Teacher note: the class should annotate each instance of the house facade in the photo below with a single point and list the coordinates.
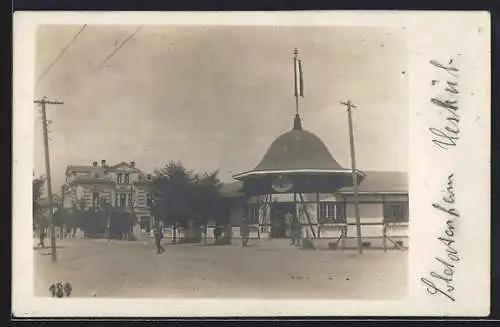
(121, 185)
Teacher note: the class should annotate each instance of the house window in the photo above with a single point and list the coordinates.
(119, 178)
(95, 199)
(149, 199)
(396, 212)
(130, 202)
(123, 202)
(127, 178)
(331, 212)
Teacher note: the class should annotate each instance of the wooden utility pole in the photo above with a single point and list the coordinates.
(350, 106)
(42, 104)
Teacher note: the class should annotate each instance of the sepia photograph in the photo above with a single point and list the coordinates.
(231, 163)
(220, 161)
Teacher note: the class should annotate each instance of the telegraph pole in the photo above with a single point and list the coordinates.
(350, 106)
(42, 104)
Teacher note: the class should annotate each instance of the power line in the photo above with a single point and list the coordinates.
(119, 47)
(62, 53)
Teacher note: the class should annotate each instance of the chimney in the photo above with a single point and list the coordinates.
(103, 163)
(94, 164)
(132, 163)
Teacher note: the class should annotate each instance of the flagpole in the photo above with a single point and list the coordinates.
(296, 91)
(296, 105)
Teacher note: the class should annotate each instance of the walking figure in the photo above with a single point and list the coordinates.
(158, 231)
(244, 232)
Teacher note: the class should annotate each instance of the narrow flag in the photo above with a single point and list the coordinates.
(299, 82)
(301, 79)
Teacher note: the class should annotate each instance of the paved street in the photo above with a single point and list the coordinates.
(267, 269)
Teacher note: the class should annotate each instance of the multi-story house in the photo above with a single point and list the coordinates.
(122, 186)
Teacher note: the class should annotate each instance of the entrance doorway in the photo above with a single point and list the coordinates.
(278, 221)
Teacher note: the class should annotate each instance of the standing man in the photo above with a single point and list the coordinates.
(297, 230)
(244, 232)
(42, 237)
(158, 231)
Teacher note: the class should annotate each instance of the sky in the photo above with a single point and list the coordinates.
(215, 97)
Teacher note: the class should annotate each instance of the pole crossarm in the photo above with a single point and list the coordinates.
(47, 102)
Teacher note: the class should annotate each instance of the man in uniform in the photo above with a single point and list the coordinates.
(244, 232)
(158, 233)
(42, 237)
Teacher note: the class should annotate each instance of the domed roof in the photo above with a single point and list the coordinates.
(299, 153)
(297, 149)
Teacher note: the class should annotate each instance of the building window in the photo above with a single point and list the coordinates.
(331, 212)
(119, 178)
(149, 199)
(127, 178)
(396, 212)
(95, 199)
(117, 200)
(123, 202)
(130, 202)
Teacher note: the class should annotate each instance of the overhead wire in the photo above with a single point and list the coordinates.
(118, 48)
(63, 51)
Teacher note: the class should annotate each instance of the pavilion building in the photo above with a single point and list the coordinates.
(298, 175)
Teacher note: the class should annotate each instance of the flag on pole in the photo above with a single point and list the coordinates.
(301, 79)
(299, 82)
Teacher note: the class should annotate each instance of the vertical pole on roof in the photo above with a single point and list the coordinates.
(350, 106)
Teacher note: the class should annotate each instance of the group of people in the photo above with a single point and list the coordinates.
(293, 231)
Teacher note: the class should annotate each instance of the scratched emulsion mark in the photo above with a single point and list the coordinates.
(441, 280)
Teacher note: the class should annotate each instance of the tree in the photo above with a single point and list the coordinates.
(184, 198)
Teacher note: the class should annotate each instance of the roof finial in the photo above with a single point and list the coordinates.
(297, 124)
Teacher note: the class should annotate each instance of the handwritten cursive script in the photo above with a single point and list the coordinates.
(447, 135)
(442, 282)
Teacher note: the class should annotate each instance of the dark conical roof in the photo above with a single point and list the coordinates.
(297, 149)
